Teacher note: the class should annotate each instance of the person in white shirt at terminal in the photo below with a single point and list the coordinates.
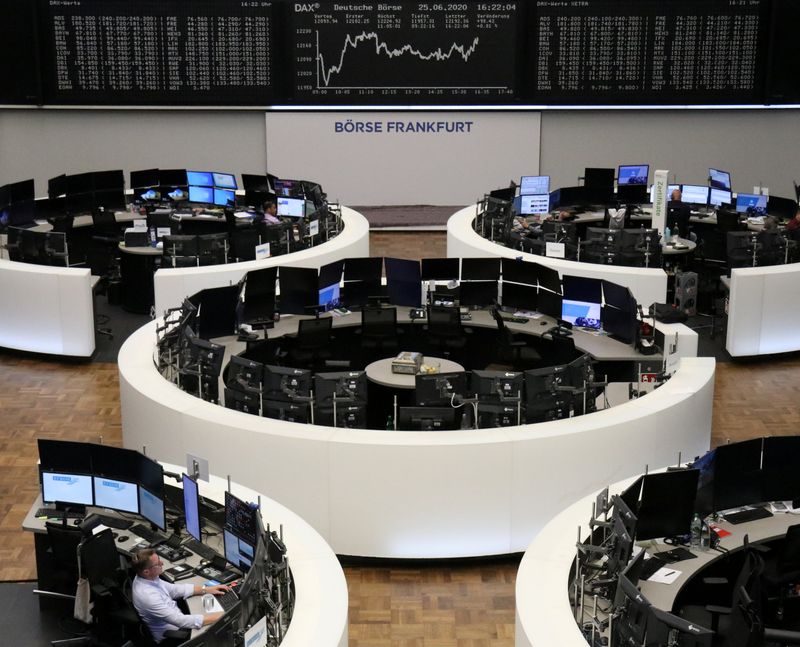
(154, 598)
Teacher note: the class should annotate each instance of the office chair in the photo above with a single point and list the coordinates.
(103, 252)
(445, 331)
(379, 329)
(212, 249)
(741, 248)
(180, 250)
(312, 343)
(256, 306)
(512, 348)
(533, 246)
(14, 244)
(64, 541)
(783, 569)
(56, 250)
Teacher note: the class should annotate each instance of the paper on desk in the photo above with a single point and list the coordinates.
(99, 528)
(528, 314)
(664, 575)
(243, 214)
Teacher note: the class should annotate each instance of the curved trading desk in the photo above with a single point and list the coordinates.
(173, 284)
(418, 494)
(649, 285)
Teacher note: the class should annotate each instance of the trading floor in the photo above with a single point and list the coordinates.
(463, 604)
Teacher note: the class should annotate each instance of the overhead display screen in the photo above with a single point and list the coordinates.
(649, 51)
(157, 52)
(400, 52)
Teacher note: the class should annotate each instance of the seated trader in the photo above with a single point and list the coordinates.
(154, 598)
(678, 214)
(793, 226)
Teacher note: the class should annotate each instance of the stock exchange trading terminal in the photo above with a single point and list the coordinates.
(92, 491)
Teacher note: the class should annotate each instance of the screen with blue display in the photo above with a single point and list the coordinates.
(200, 178)
(201, 194)
(114, 494)
(224, 197)
(224, 181)
(191, 507)
(633, 174)
(695, 194)
(151, 508)
(719, 179)
(750, 202)
(719, 197)
(68, 488)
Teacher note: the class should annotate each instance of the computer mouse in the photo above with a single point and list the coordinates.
(114, 534)
(122, 538)
(542, 323)
(77, 522)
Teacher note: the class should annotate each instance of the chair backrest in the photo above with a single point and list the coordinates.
(379, 322)
(789, 556)
(104, 223)
(64, 542)
(314, 333)
(444, 320)
(728, 220)
(737, 240)
(99, 557)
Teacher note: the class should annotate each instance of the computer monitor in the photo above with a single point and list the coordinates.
(534, 185)
(718, 197)
(481, 294)
(667, 504)
(67, 456)
(144, 179)
(329, 296)
(244, 374)
(366, 268)
(751, 203)
(191, 506)
(506, 194)
(534, 205)
(286, 383)
(299, 287)
(780, 463)
(439, 269)
(67, 488)
(633, 174)
(289, 411)
(495, 386)
(347, 386)
(694, 194)
(665, 628)
(224, 197)
(632, 194)
(550, 304)
(240, 518)
(480, 269)
(782, 208)
(349, 415)
(719, 179)
(56, 186)
(200, 178)
(224, 181)
(256, 183)
(288, 188)
(599, 184)
(582, 301)
(545, 398)
(151, 507)
(403, 282)
(670, 189)
(244, 401)
(201, 194)
(291, 207)
(439, 389)
(631, 495)
(520, 297)
(630, 628)
(620, 323)
(428, 418)
(237, 552)
(737, 475)
(115, 494)
(519, 271)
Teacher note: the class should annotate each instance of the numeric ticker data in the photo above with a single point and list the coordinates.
(158, 52)
(369, 52)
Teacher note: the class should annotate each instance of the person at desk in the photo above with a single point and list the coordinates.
(678, 214)
(793, 226)
(271, 212)
(154, 598)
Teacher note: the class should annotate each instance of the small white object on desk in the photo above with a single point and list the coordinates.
(664, 575)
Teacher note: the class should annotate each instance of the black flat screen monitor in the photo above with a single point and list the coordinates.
(719, 179)
(519, 271)
(783, 208)
(224, 181)
(439, 269)
(542, 395)
(548, 279)
(439, 389)
(244, 401)
(694, 194)
(330, 273)
(630, 628)
(480, 269)
(299, 289)
(358, 293)
(286, 383)
(151, 507)
(56, 187)
(428, 418)
(289, 411)
(667, 504)
(480, 294)
(115, 494)
(64, 456)
(191, 506)
(633, 174)
(363, 269)
(67, 487)
(520, 297)
(631, 494)
(244, 374)
(599, 184)
(172, 177)
(737, 475)
(621, 324)
(79, 183)
(506, 194)
(664, 628)
(403, 282)
(240, 518)
(616, 295)
(549, 304)
(348, 415)
(534, 185)
(568, 196)
(256, 183)
(633, 194)
(348, 386)
(497, 385)
(751, 203)
(145, 179)
(781, 466)
(108, 180)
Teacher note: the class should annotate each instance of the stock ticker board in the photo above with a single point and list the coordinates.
(409, 52)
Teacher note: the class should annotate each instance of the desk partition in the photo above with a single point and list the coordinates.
(418, 494)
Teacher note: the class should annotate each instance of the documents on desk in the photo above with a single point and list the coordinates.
(664, 575)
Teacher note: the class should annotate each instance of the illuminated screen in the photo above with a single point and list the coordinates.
(749, 202)
(718, 197)
(534, 184)
(633, 174)
(695, 194)
(719, 179)
(177, 195)
(151, 508)
(224, 197)
(329, 297)
(69, 488)
(200, 178)
(581, 313)
(191, 508)
(201, 194)
(237, 552)
(224, 180)
(670, 189)
(534, 204)
(114, 494)
(291, 207)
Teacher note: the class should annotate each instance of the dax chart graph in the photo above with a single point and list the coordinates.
(389, 53)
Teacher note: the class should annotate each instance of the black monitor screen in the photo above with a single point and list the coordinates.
(737, 475)
(481, 293)
(616, 295)
(144, 179)
(403, 282)
(631, 494)
(781, 466)
(330, 274)
(256, 183)
(549, 304)
(664, 628)
(520, 271)
(427, 418)
(440, 269)
(620, 324)
(240, 518)
(633, 194)
(56, 186)
(346, 386)
(438, 389)
(289, 411)
(522, 297)
(299, 289)
(191, 507)
(548, 278)
(495, 385)
(107, 180)
(172, 177)
(244, 374)
(363, 269)
(667, 504)
(64, 456)
(784, 208)
(286, 383)
(79, 183)
(598, 177)
(480, 269)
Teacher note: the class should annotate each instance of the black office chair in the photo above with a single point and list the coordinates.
(63, 550)
(512, 348)
(103, 253)
(783, 569)
(312, 344)
(212, 249)
(379, 331)
(256, 306)
(445, 332)
(180, 250)
(741, 248)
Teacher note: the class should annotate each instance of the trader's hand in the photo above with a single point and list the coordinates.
(219, 589)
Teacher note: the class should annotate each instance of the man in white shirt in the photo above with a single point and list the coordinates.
(154, 598)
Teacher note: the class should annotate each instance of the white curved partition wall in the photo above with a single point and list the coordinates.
(416, 494)
(46, 309)
(649, 285)
(172, 285)
(320, 609)
(763, 310)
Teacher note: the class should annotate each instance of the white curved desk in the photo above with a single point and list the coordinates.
(46, 309)
(649, 285)
(418, 494)
(172, 285)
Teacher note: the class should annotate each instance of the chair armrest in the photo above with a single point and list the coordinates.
(178, 634)
(782, 636)
(714, 580)
(718, 610)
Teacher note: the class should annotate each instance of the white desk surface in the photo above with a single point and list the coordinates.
(381, 373)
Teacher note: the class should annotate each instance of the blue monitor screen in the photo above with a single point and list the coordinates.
(114, 494)
(695, 194)
(200, 178)
(191, 508)
(201, 194)
(534, 204)
(329, 297)
(750, 202)
(291, 207)
(633, 174)
(534, 184)
(224, 197)
(224, 180)
(237, 552)
(69, 488)
(670, 189)
(719, 197)
(177, 195)
(719, 179)
(581, 313)
(151, 508)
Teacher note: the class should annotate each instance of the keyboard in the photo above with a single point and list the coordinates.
(172, 554)
(147, 533)
(199, 548)
(747, 515)
(114, 522)
(52, 513)
(228, 600)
